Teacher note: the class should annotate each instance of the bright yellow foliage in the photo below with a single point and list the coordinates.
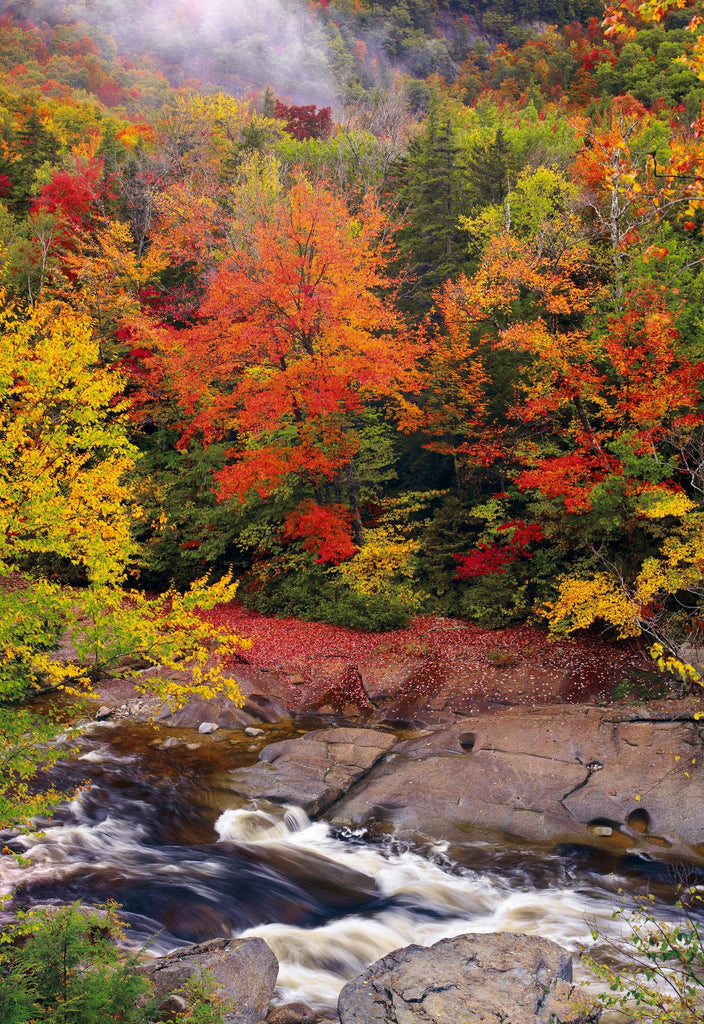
(673, 666)
(165, 631)
(63, 448)
(386, 561)
(645, 604)
(108, 275)
(385, 558)
(64, 456)
(657, 503)
(582, 602)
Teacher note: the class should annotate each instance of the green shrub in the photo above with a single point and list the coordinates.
(63, 967)
(204, 1004)
(664, 981)
(305, 590)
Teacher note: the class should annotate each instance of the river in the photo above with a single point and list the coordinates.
(158, 831)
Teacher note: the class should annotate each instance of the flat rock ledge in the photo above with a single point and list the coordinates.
(619, 778)
(313, 771)
(494, 979)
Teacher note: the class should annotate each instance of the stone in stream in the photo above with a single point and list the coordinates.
(224, 713)
(244, 972)
(174, 1004)
(292, 1013)
(497, 979)
(314, 770)
(265, 707)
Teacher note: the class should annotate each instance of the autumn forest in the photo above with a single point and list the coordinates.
(385, 311)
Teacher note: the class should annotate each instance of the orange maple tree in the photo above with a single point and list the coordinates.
(488, 313)
(596, 415)
(293, 344)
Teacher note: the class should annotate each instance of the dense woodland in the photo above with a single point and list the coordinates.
(376, 310)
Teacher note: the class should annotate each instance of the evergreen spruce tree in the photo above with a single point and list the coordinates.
(489, 170)
(431, 191)
(37, 146)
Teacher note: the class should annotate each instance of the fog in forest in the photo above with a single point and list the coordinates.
(235, 44)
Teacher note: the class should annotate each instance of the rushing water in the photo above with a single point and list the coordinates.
(156, 831)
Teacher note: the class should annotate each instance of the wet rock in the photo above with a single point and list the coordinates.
(224, 713)
(251, 731)
(265, 708)
(568, 775)
(312, 771)
(497, 978)
(244, 972)
(170, 743)
(103, 712)
(207, 727)
(173, 1004)
(292, 1013)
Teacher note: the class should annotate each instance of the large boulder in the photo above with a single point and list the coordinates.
(314, 770)
(619, 778)
(496, 979)
(244, 972)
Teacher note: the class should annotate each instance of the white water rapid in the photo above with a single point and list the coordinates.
(328, 903)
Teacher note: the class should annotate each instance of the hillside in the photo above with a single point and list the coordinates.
(381, 312)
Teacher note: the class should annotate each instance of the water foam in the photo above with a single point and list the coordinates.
(429, 903)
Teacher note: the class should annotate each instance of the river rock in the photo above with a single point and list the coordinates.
(244, 971)
(292, 1013)
(568, 774)
(174, 1004)
(497, 979)
(222, 712)
(314, 770)
(265, 708)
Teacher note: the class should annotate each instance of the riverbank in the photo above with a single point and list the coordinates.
(433, 732)
(436, 668)
(488, 799)
(430, 674)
